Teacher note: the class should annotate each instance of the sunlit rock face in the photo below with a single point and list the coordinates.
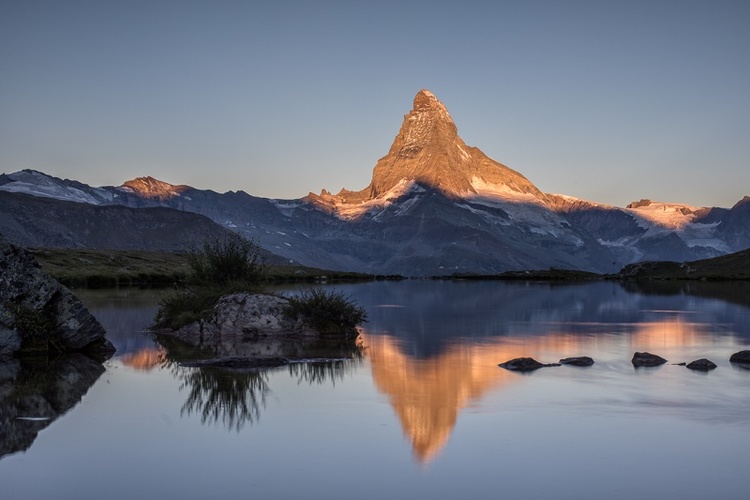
(429, 151)
(154, 189)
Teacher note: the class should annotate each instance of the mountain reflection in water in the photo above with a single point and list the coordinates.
(424, 411)
(433, 347)
(428, 393)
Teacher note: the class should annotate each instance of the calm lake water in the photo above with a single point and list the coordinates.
(424, 412)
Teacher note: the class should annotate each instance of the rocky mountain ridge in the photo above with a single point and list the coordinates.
(436, 206)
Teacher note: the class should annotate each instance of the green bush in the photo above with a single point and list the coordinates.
(327, 312)
(183, 306)
(221, 267)
(231, 259)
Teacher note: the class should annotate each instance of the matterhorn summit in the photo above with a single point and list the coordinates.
(429, 152)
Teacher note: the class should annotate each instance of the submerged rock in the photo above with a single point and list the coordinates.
(647, 359)
(577, 361)
(38, 313)
(740, 357)
(524, 364)
(702, 364)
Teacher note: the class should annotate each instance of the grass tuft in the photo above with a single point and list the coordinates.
(327, 312)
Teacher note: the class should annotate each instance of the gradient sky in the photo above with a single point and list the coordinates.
(611, 101)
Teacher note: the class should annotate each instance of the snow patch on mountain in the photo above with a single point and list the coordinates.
(375, 207)
(483, 189)
(662, 218)
(38, 184)
(286, 207)
(671, 216)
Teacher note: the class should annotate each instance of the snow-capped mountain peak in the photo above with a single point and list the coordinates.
(40, 184)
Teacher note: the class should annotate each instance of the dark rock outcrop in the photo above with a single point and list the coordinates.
(702, 364)
(38, 313)
(647, 359)
(577, 361)
(524, 365)
(252, 316)
(740, 357)
(252, 328)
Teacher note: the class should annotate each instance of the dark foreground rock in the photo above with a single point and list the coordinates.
(524, 364)
(577, 361)
(647, 359)
(702, 364)
(38, 313)
(740, 357)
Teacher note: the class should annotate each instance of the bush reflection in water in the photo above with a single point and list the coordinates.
(237, 397)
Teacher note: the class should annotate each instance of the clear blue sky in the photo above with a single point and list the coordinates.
(605, 100)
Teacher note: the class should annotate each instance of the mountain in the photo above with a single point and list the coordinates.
(646, 230)
(34, 221)
(435, 206)
(726, 267)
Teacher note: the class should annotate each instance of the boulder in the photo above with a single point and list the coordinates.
(647, 359)
(577, 361)
(702, 364)
(251, 316)
(524, 364)
(38, 313)
(252, 331)
(740, 357)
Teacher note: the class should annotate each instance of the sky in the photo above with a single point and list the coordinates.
(609, 101)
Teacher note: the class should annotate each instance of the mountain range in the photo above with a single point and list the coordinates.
(434, 206)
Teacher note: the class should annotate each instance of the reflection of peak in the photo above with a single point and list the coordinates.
(427, 394)
(145, 359)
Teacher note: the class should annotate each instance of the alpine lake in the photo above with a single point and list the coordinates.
(420, 410)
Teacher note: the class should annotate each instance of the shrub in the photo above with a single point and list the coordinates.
(327, 312)
(231, 259)
(183, 306)
(221, 267)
